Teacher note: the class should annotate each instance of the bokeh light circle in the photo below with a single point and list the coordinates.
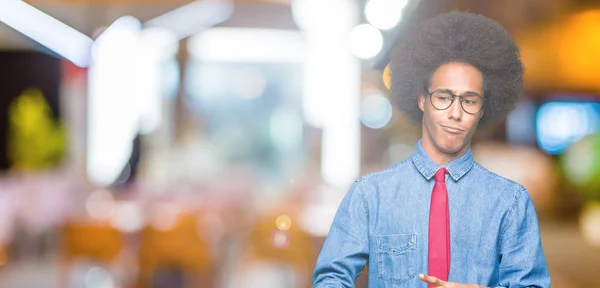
(283, 222)
(280, 239)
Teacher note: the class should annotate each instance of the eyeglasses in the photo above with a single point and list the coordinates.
(443, 99)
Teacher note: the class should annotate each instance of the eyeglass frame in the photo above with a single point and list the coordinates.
(453, 98)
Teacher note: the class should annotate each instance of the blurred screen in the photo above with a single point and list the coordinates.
(251, 111)
(561, 123)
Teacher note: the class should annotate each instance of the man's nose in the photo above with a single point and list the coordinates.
(455, 110)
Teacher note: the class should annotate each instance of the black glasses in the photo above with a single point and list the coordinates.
(443, 99)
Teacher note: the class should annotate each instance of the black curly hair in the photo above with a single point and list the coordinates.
(458, 37)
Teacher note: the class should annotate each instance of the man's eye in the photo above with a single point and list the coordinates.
(471, 101)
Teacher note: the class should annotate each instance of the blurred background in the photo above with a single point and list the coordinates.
(148, 143)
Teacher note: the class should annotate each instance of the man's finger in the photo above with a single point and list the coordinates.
(431, 280)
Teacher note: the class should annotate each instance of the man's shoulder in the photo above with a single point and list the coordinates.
(495, 180)
(387, 175)
(389, 171)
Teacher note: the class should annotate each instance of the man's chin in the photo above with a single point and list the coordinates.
(452, 148)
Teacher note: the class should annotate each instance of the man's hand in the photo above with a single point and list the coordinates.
(439, 283)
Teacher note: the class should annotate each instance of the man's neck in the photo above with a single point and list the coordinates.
(438, 156)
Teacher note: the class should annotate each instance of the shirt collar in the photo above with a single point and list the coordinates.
(456, 168)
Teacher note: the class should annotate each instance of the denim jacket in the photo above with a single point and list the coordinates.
(383, 220)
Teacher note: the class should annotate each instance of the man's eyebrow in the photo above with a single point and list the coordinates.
(454, 92)
(472, 93)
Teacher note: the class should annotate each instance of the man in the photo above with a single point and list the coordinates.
(438, 219)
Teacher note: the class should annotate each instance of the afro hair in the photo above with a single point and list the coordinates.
(458, 37)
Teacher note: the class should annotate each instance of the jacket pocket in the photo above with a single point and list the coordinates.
(396, 257)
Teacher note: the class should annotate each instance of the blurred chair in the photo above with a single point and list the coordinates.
(177, 252)
(3, 255)
(95, 241)
(276, 257)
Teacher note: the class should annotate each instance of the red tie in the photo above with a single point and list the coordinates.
(439, 229)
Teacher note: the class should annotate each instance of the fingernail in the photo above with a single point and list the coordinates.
(421, 275)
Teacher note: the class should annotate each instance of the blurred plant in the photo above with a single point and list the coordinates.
(581, 166)
(35, 141)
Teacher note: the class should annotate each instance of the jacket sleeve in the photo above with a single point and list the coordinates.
(346, 247)
(522, 263)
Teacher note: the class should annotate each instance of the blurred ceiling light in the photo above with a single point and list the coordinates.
(331, 15)
(384, 14)
(113, 115)
(46, 30)
(125, 28)
(248, 45)
(366, 41)
(375, 111)
(155, 47)
(122, 27)
(125, 85)
(191, 18)
(331, 84)
(159, 43)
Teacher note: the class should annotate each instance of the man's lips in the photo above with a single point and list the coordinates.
(452, 129)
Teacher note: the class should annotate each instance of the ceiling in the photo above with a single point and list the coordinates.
(89, 15)
(523, 18)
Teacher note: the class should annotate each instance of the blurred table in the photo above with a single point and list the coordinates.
(573, 262)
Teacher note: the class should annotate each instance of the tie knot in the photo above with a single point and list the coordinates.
(440, 175)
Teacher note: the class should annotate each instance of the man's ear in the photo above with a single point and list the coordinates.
(421, 102)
